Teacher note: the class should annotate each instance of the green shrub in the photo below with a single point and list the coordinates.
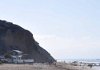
(0, 62)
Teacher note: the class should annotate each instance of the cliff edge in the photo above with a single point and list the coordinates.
(14, 37)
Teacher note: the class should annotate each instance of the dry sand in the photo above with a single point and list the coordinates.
(38, 66)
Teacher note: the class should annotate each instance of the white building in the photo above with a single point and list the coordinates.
(17, 55)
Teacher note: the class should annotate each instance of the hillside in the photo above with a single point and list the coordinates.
(14, 37)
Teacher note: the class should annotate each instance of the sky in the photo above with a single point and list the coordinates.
(68, 29)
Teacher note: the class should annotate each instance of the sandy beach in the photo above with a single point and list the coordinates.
(39, 66)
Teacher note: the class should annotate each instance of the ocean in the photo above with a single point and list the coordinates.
(80, 60)
(94, 61)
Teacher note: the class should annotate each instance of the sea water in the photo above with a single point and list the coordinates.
(80, 60)
(95, 61)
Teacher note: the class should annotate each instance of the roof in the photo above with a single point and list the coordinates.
(17, 51)
(13, 56)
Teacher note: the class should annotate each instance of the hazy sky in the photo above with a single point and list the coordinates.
(65, 28)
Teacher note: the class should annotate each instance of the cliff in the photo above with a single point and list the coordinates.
(14, 37)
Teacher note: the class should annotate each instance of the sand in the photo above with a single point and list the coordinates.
(39, 66)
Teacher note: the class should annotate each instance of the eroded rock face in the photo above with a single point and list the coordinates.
(14, 37)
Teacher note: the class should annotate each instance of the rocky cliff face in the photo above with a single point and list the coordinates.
(14, 37)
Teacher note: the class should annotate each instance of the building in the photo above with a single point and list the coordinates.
(17, 57)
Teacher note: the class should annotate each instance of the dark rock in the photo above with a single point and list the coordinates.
(14, 37)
